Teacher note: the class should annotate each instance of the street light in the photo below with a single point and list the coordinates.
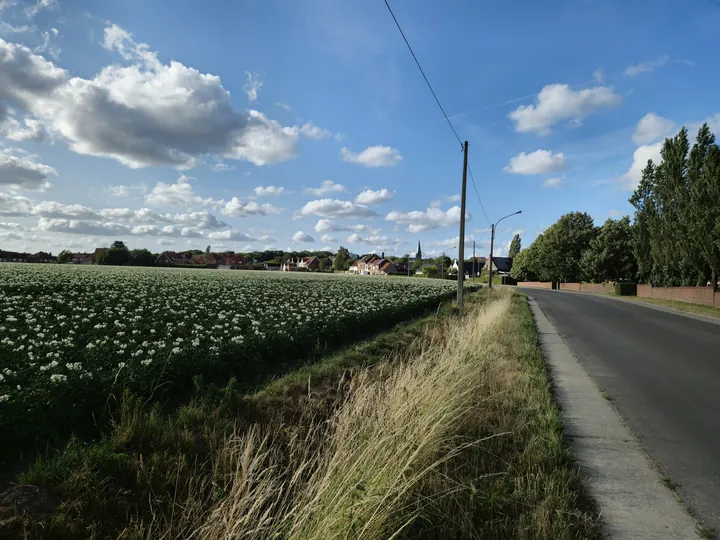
(492, 241)
(442, 264)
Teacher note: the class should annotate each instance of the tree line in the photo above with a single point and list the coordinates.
(673, 239)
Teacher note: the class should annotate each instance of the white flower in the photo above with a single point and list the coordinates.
(58, 377)
(146, 362)
(176, 350)
(4, 398)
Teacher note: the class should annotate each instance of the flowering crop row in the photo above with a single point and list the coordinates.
(70, 335)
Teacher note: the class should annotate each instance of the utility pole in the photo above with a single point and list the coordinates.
(473, 266)
(461, 244)
(492, 241)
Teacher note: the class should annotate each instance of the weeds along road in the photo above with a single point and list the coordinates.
(662, 373)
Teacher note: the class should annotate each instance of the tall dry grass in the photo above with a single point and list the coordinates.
(360, 474)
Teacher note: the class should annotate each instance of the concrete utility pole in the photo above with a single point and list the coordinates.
(461, 240)
(492, 241)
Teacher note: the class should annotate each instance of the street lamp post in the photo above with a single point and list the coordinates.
(492, 242)
(442, 264)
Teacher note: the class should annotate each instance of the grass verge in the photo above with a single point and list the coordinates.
(442, 428)
(682, 306)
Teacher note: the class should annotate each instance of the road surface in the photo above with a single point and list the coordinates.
(662, 373)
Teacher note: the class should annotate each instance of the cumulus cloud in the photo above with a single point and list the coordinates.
(432, 218)
(20, 170)
(537, 162)
(631, 179)
(314, 132)
(651, 128)
(373, 240)
(302, 238)
(178, 194)
(143, 114)
(553, 182)
(327, 187)
(238, 208)
(325, 225)
(266, 191)
(335, 208)
(11, 226)
(198, 220)
(374, 197)
(326, 238)
(77, 226)
(141, 215)
(27, 129)
(127, 190)
(646, 67)
(222, 167)
(14, 205)
(52, 209)
(231, 235)
(10, 236)
(37, 7)
(557, 102)
(373, 156)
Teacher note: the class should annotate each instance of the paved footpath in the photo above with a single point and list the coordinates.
(661, 372)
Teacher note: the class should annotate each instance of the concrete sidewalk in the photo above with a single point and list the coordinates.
(633, 501)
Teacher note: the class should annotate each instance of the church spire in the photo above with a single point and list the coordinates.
(418, 255)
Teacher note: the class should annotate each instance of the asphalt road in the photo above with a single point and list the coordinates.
(661, 371)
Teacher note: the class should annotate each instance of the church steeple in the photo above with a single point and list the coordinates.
(418, 255)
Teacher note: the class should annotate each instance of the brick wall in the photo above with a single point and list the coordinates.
(693, 295)
(597, 287)
(644, 291)
(535, 284)
(574, 287)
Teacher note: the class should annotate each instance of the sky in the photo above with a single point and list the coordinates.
(270, 124)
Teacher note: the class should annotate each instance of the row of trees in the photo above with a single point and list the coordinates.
(677, 213)
(674, 238)
(574, 249)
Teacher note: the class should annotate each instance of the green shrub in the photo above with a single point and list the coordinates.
(626, 289)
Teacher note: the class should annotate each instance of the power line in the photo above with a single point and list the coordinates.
(478, 195)
(423, 73)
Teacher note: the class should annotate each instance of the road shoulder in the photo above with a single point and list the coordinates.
(630, 495)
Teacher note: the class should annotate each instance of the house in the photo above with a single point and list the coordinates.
(311, 263)
(173, 258)
(501, 266)
(39, 257)
(82, 258)
(273, 267)
(473, 263)
(228, 261)
(362, 265)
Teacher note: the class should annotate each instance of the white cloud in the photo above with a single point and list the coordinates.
(168, 230)
(11, 236)
(537, 162)
(557, 102)
(164, 242)
(325, 225)
(75, 226)
(238, 208)
(553, 182)
(52, 209)
(266, 191)
(36, 8)
(335, 208)
(374, 197)
(314, 132)
(651, 128)
(631, 179)
(599, 76)
(432, 218)
(222, 167)
(178, 194)
(127, 190)
(252, 85)
(284, 106)
(29, 129)
(14, 205)
(453, 242)
(19, 170)
(11, 226)
(197, 220)
(327, 187)
(231, 235)
(141, 215)
(373, 240)
(326, 238)
(302, 238)
(646, 67)
(373, 156)
(143, 114)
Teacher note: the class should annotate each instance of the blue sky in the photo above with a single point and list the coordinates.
(249, 124)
